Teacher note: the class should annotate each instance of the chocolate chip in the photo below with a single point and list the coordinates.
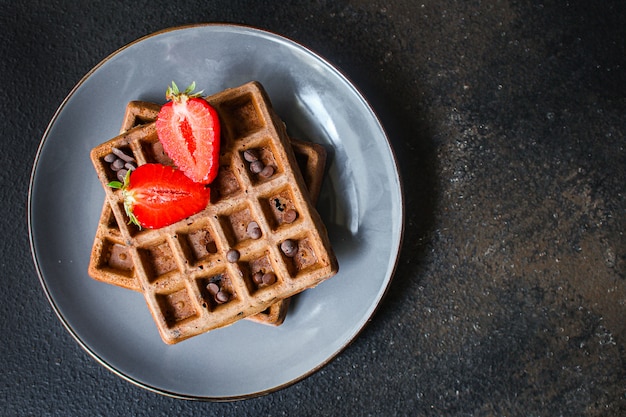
(117, 165)
(269, 278)
(289, 248)
(250, 155)
(121, 174)
(123, 156)
(258, 277)
(290, 216)
(267, 172)
(110, 157)
(211, 247)
(221, 297)
(213, 288)
(253, 230)
(232, 255)
(130, 166)
(256, 167)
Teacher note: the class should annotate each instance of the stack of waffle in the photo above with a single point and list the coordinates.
(184, 271)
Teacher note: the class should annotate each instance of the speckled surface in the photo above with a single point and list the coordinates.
(509, 122)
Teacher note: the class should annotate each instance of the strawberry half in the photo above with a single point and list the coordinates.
(189, 129)
(157, 195)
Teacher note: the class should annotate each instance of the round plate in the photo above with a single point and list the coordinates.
(361, 204)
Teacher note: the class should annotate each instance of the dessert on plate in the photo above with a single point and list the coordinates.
(118, 269)
(258, 241)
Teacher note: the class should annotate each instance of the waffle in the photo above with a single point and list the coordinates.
(311, 160)
(190, 282)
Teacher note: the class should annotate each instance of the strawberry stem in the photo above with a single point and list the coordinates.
(173, 92)
(128, 198)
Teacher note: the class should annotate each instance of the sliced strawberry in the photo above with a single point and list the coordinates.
(189, 129)
(156, 196)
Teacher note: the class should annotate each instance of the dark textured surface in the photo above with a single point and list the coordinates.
(509, 121)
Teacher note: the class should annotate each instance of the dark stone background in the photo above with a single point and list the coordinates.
(509, 121)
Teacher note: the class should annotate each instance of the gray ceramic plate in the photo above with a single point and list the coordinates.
(361, 204)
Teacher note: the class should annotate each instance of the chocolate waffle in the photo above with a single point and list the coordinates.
(311, 160)
(190, 280)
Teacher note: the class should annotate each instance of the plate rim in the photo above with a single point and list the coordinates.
(169, 393)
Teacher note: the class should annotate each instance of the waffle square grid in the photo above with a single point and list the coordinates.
(114, 266)
(173, 270)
